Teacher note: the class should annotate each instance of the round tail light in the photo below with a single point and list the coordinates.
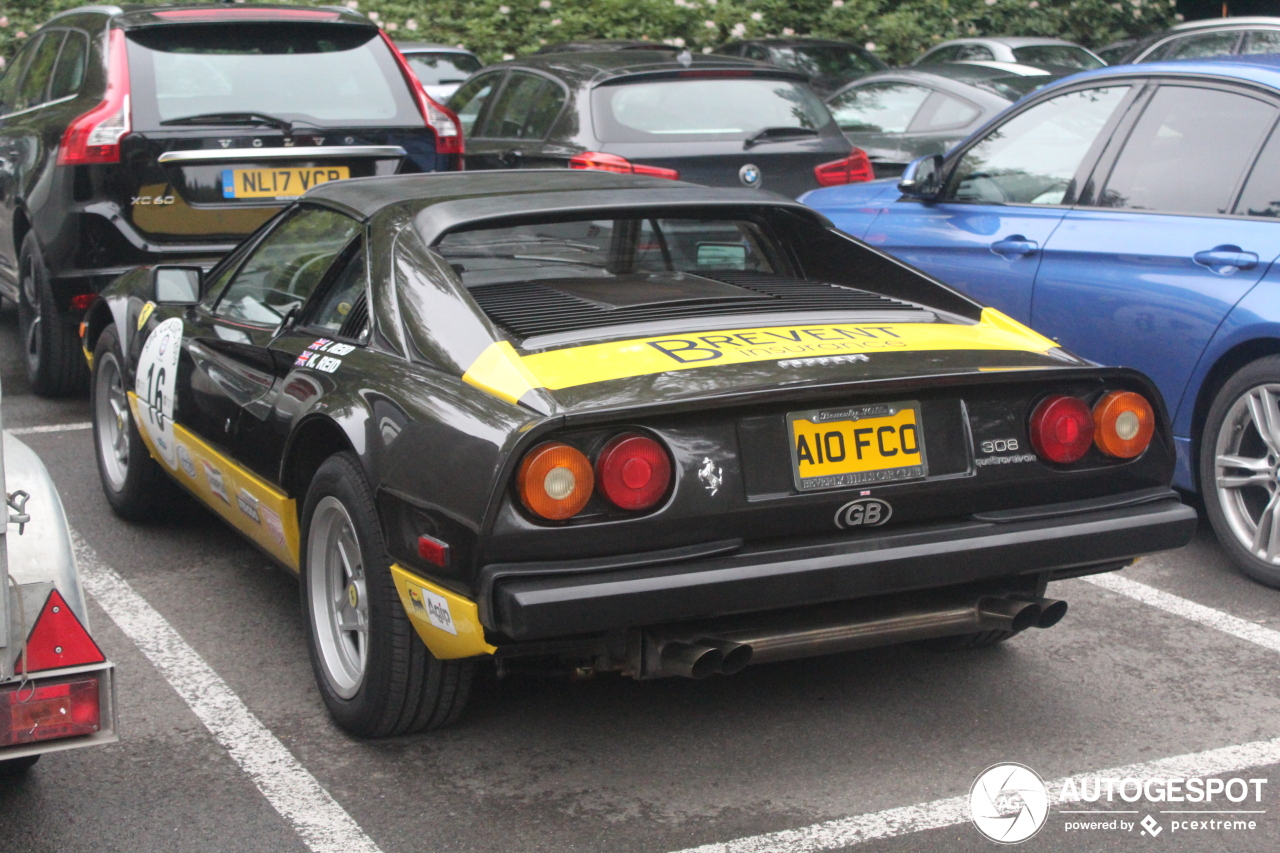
(633, 471)
(1125, 423)
(1062, 429)
(555, 480)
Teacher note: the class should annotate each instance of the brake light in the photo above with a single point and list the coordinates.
(714, 73)
(82, 301)
(1062, 429)
(95, 136)
(58, 639)
(633, 471)
(555, 480)
(34, 712)
(613, 163)
(1125, 423)
(433, 550)
(853, 169)
(439, 118)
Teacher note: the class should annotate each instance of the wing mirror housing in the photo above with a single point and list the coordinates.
(175, 285)
(922, 178)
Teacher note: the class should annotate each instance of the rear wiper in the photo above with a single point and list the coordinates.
(769, 134)
(234, 118)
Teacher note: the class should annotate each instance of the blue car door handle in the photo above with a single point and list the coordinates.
(1015, 244)
(1226, 259)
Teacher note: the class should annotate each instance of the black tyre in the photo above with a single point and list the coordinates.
(11, 768)
(963, 642)
(1239, 467)
(55, 363)
(375, 674)
(135, 485)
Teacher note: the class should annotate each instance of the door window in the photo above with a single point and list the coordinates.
(31, 92)
(525, 108)
(1187, 152)
(469, 101)
(286, 267)
(1202, 44)
(1262, 41)
(971, 52)
(1033, 157)
(341, 304)
(69, 72)
(943, 112)
(1261, 195)
(942, 54)
(9, 82)
(878, 107)
(756, 52)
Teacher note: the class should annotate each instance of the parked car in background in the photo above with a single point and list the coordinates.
(828, 63)
(1116, 52)
(160, 133)
(440, 68)
(1199, 39)
(57, 688)
(1040, 52)
(896, 116)
(590, 422)
(711, 120)
(1132, 214)
(606, 44)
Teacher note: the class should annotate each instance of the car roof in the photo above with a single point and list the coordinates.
(961, 78)
(578, 45)
(411, 46)
(443, 201)
(1263, 69)
(189, 13)
(1009, 41)
(1242, 21)
(799, 41)
(595, 67)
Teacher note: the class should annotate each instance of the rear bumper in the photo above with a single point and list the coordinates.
(1063, 541)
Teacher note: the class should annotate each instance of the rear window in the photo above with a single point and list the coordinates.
(438, 69)
(1060, 55)
(1014, 87)
(703, 109)
(320, 74)
(608, 248)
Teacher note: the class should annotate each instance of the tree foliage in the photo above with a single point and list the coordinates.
(896, 30)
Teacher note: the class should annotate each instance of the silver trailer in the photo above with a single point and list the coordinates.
(57, 689)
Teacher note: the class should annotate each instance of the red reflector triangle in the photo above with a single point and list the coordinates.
(58, 639)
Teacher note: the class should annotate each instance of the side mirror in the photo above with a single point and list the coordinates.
(177, 285)
(922, 178)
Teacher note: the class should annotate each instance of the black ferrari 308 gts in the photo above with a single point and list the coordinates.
(614, 423)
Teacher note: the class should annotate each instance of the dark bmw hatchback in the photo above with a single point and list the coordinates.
(709, 120)
(157, 134)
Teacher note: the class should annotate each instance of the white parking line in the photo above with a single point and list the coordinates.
(847, 832)
(32, 430)
(1178, 606)
(905, 820)
(290, 788)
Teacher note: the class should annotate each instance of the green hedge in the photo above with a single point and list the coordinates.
(896, 30)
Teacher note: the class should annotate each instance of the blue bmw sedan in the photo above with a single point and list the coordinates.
(1130, 213)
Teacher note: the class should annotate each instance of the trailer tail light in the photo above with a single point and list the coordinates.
(33, 711)
(853, 169)
(613, 163)
(633, 471)
(439, 118)
(555, 480)
(58, 639)
(1125, 423)
(95, 136)
(1062, 429)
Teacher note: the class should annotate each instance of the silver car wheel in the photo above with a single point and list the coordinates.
(338, 596)
(1246, 468)
(111, 411)
(30, 295)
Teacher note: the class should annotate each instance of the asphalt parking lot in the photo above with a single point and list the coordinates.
(811, 755)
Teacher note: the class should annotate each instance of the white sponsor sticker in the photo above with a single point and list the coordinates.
(434, 607)
(157, 377)
(272, 522)
(248, 505)
(214, 476)
(185, 460)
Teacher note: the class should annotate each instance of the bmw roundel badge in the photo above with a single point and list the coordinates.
(749, 175)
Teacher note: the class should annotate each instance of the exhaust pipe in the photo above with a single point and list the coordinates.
(1051, 611)
(734, 657)
(1011, 614)
(691, 660)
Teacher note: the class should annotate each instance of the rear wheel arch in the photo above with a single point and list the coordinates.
(98, 318)
(1227, 365)
(21, 227)
(315, 440)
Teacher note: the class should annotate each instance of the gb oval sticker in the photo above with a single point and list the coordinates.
(156, 380)
(864, 512)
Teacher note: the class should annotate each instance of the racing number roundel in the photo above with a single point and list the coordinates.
(157, 377)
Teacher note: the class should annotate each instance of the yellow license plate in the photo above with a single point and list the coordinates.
(857, 445)
(278, 183)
